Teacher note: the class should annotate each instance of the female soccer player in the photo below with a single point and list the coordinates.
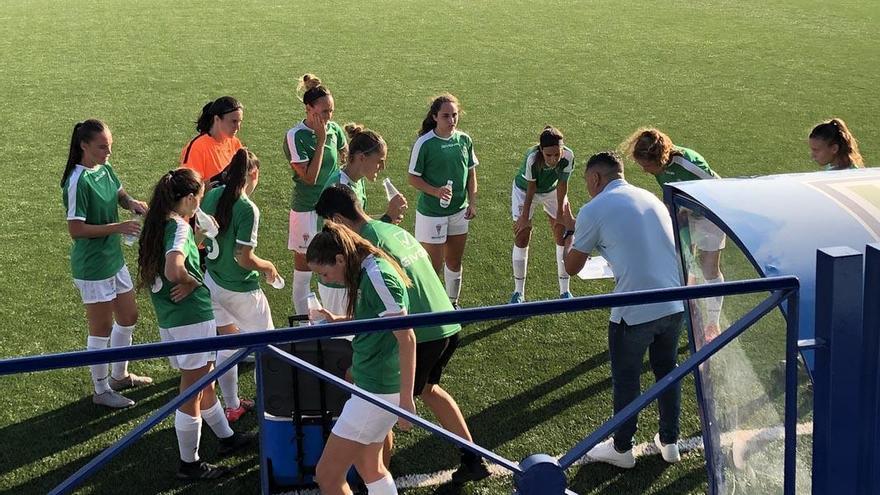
(315, 147)
(366, 158)
(233, 269)
(91, 194)
(658, 156)
(542, 177)
(383, 363)
(169, 268)
(832, 146)
(209, 152)
(442, 167)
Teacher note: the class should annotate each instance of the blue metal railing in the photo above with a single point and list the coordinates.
(546, 468)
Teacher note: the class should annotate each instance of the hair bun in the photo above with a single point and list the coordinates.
(310, 81)
(352, 129)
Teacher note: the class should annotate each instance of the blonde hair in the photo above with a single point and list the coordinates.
(650, 144)
(835, 131)
(310, 89)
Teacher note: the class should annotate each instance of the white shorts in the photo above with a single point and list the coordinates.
(433, 230)
(98, 291)
(303, 226)
(365, 423)
(705, 234)
(249, 311)
(189, 332)
(518, 199)
(334, 299)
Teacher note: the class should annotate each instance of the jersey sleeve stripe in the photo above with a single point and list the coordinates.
(375, 276)
(256, 224)
(690, 167)
(417, 147)
(568, 154)
(530, 162)
(291, 146)
(72, 185)
(180, 235)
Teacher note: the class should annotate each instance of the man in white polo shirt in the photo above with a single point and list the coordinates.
(632, 229)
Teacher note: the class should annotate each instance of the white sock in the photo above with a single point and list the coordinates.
(189, 432)
(99, 371)
(560, 270)
(520, 267)
(120, 336)
(453, 283)
(217, 420)
(300, 291)
(384, 486)
(228, 381)
(713, 304)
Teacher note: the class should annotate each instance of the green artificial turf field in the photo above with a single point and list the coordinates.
(741, 82)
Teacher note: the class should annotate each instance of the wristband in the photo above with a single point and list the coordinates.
(567, 234)
(385, 218)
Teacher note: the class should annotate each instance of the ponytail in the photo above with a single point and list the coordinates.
(311, 88)
(362, 140)
(337, 239)
(242, 163)
(217, 108)
(83, 132)
(170, 189)
(835, 131)
(429, 124)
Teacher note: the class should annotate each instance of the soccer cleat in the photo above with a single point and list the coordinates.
(517, 298)
(234, 414)
(474, 469)
(199, 470)
(669, 451)
(112, 399)
(130, 381)
(605, 452)
(237, 441)
(565, 295)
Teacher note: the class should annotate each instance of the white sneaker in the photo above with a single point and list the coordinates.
(605, 452)
(668, 451)
(112, 399)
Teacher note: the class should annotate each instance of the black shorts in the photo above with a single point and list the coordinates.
(431, 359)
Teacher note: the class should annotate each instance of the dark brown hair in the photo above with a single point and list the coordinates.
(429, 124)
(835, 131)
(83, 132)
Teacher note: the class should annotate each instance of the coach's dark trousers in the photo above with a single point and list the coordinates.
(627, 345)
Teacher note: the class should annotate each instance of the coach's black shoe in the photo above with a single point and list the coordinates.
(237, 441)
(199, 470)
(472, 468)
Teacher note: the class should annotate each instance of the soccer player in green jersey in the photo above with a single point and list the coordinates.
(314, 147)
(442, 166)
(435, 344)
(654, 151)
(233, 269)
(169, 267)
(383, 363)
(542, 179)
(91, 195)
(833, 147)
(366, 158)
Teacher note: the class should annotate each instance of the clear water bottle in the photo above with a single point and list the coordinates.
(315, 307)
(130, 239)
(278, 283)
(444, 203)
(206, 223)
(390, 190)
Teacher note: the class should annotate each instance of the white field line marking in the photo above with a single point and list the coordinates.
(641, 450)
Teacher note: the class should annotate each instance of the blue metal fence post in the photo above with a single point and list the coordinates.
(836, 382)
(869, 471)
(542, 475)
(261, 413)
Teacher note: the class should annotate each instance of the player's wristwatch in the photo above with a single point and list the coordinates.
(567, 234)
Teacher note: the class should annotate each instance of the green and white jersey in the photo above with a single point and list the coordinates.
(300, 147)
(831, 167)
(242, 229)
(376, 363)
(686, 164)
(437, 161)
(545, 178)
(196, 307)
(358, 186)
(91, 195)
(427, 294)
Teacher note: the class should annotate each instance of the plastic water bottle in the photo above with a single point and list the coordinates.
(314, 305)
(390, 190)
(130, 239)
(278, 283)
(444, 203)
(206, 223)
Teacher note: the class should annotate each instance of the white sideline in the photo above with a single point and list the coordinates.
(641, 450)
